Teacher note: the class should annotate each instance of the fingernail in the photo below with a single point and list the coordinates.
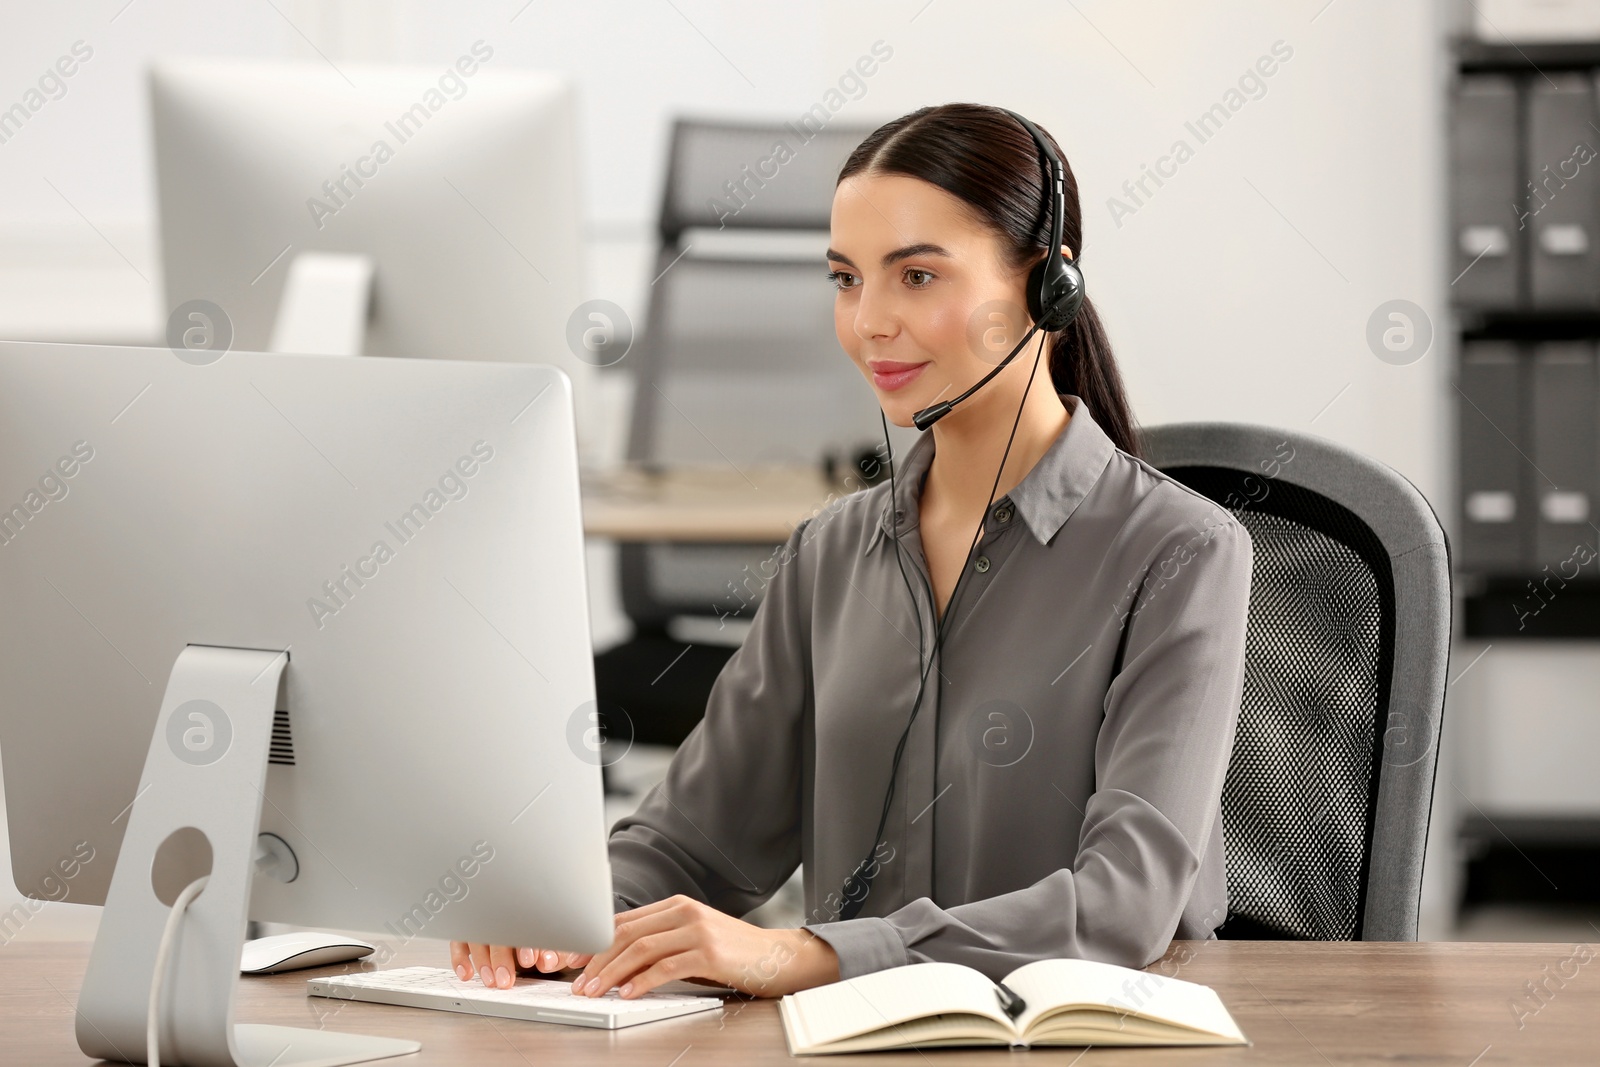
(461, 971)
(626, 989)
(549, 961)
(504, 976)
(525, 956)
(488, 978)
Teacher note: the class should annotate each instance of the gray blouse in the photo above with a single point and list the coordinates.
(1059, 795)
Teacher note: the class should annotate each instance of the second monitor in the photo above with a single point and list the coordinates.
(378, 210)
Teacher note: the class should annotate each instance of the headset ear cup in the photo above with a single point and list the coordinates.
(1059, 283)
(1037, 296)
(1072, 296)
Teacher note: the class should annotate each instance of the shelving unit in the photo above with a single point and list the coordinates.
(1522, 305)
(1527, 392)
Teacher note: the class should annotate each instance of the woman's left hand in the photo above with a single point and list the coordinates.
(681, 938)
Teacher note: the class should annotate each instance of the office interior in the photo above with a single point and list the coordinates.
(1270, 193)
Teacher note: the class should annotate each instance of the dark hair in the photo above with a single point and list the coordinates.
(985, 158)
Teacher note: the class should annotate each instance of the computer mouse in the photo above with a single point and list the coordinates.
(297, 951)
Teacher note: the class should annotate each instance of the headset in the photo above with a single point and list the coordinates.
(1055, 295)
(1055, 285)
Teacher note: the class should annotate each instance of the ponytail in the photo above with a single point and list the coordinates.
(1081, 364)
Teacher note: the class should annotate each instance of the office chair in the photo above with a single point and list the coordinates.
(1326, 802)
(737, 365)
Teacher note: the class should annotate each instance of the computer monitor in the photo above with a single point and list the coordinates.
(331, 607)
(380, 210)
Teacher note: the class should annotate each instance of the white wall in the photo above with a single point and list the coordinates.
(1240, 290)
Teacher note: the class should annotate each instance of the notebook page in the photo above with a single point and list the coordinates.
(872, 1001)
(1046, 984)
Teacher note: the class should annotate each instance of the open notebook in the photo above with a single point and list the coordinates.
(1050, 1002)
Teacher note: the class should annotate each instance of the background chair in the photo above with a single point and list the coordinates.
(1326, 803)
(737, 365)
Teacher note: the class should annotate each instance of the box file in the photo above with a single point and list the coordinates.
(1560, 208)
(1487, 244)
(1563, 434)
(1495, 520)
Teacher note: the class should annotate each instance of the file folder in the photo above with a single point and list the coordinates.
(1486, 169)
(1495, 519)
(1561, 205)
(1563, 425)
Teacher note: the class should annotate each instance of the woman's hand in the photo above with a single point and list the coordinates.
(496, 965)
(681, 938)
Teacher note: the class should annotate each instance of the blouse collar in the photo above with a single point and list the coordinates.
(1047, 495)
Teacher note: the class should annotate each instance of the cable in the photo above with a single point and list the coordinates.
(158, 979)
(853, 905)
(860, 876)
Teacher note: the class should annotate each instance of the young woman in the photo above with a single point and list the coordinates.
(1067, 622)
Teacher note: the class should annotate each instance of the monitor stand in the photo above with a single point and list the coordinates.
(197, 812)
(325, 304)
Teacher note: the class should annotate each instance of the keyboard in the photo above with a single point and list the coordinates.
(538, 1000)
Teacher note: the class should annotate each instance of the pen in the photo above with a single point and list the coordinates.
(1010, 1003)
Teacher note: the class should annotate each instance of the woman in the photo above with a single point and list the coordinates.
(1056, 792)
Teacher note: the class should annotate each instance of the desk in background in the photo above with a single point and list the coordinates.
(685, 536)
(757, 505)
(1314, 1003)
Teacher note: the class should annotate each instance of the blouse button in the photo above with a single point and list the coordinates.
(982, 564)
(1002, 514)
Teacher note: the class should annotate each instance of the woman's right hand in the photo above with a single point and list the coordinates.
(496, 965)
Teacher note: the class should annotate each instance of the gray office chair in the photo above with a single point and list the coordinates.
(738, 364)
(1326, 803)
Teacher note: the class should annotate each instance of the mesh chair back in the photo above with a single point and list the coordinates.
(741, 365)
(1326, 802)
(764, 176)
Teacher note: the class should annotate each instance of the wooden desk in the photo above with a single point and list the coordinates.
(1319, 1004)
(760, 505)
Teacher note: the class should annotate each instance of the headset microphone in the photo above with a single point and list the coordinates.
(933, 413)
(1055, 285)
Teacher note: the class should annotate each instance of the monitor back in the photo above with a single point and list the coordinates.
(408, 530)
